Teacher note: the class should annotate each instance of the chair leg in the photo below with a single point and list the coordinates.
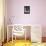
(15, 38)
(25, 36)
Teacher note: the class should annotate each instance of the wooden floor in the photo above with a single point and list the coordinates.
(18, 43)
(23, 43)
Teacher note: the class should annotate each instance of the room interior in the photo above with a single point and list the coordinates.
(13, 15)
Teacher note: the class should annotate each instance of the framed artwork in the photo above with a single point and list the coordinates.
(26, 9)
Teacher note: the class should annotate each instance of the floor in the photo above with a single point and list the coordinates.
(18, 43)
(23, 43)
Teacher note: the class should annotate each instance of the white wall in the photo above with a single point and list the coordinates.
(37, 12)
